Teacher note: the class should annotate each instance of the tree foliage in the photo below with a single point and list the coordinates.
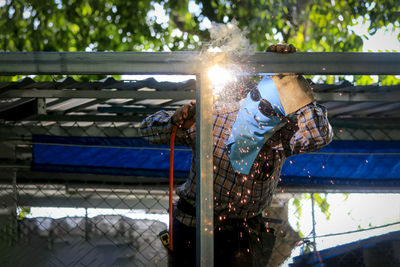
(321, 201)
(172, 25)
(106, 25)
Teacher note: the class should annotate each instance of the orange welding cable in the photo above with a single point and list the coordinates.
(171, 184)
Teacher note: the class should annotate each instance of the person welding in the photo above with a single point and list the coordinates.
(252, 138)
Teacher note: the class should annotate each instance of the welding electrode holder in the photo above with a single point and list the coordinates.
(190, 113)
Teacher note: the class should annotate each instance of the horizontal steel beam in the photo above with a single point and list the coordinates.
(12, 63)
(83, 201)
(122, 109)
(376, 129)
(137, 95)
(177, 95)
(358, 97)
(339, 189)
(366, 123)
(26, 176)
(16, 132)
(351, 63)
(85, 118)
(55, 197)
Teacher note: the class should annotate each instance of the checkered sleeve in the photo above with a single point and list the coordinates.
(157, 128)
(312, 131)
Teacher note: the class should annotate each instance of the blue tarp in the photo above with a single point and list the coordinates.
(347, 163)
(358, 163)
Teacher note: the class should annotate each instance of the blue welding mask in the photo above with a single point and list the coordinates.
(260, 116)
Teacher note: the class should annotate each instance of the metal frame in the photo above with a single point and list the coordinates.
(190, 63)
(204, 158)
(140, 95)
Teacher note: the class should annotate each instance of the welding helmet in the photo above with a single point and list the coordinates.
(262, 115)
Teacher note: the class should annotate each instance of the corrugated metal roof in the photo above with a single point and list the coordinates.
(112, 107)
(343, 100)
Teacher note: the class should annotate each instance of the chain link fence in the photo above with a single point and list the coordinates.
(69, 219)
(54, 219)
(62, 225)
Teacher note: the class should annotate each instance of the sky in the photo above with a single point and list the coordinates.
(384, 40)
(357, 211)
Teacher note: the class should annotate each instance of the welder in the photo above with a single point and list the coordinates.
(252, 137)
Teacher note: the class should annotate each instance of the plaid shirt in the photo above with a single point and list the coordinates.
(237, 195)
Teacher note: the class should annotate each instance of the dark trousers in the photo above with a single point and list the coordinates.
(235, 244)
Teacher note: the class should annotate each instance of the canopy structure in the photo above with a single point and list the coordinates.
(71, 130)
(33, 112)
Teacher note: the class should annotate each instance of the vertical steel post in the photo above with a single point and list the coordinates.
(313, 222)
(15, 232)
(204, 173)
(86, 225)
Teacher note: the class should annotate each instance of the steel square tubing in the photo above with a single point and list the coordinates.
(189, 63)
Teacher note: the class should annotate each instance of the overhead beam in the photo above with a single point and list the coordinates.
(85, 105)
(146, 110)
(99, 94)
(85, 118)
(393, 96)
(375, 127)
(331, 63)
(366, 123)
(67, 63)
(17, 132)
